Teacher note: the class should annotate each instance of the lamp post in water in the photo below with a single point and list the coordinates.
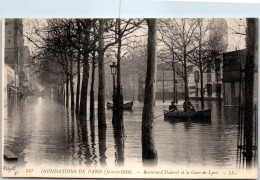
(113, 67)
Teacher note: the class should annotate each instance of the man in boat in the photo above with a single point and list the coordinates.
(187, 106)
(172, 107)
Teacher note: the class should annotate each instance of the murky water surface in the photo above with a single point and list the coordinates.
(42, 131)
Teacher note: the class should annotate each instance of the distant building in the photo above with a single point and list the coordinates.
(233, 63)
(165, 83)
(10, 78)
(233, 77)
(16, 58)
(14, 43)
(130, 78)
(212, 80)
(26, 78)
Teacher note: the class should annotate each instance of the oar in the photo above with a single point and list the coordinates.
(163, 113)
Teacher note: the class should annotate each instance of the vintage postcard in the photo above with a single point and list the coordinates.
(130, 98)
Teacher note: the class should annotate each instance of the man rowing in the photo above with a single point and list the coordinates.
(187, 106)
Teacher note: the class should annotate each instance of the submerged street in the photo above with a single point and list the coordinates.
(130, 98)
(41, 131)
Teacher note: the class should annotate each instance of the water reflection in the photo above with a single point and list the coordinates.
(42, 131)
(102, 146)
(93, 141)
(119, 136)
(84, 140)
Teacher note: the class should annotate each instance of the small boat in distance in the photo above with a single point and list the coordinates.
(198, 115)
(126, 106)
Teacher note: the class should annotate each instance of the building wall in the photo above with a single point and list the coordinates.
(210, 83)
(10, 79)
(16, 54)
(233, 64)
(13, 42)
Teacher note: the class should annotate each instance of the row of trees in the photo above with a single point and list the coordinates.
(74, 44)
(191, 43)
(66, 47)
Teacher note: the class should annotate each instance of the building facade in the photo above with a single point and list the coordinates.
(16, 58)
(169, 84)
(233, 63)
(14, 43)
(234, 77)
(212, 80)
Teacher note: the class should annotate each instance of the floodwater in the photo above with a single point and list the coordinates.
(41, 131)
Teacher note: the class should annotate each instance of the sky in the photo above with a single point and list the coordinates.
(235, 41)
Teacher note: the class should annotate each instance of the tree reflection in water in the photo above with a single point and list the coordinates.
(49, 133)
(102, 145)
(83, 139)
(92, 135)
(119, 136)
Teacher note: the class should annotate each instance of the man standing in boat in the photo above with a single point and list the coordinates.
(187, 106)
(172, 107)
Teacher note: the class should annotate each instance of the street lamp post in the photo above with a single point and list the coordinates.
(113, 67)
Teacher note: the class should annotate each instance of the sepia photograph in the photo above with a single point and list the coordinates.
(130, 97)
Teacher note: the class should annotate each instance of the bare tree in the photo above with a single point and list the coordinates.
(201, 56)
(87, 24)
(167, 52)
(177, 35)
(53, 39)
(123, 29)
(104, 42)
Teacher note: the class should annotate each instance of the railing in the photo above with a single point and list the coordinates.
(242, 159)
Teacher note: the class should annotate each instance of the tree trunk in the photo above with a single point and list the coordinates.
(186, 77)
(201, 73)
(163, 88)
(84, 86)
(118, 125)
(252, 51)
(78, 83)
(71, 86)
(71, 71)
(64, 95)
(174, 85)
(119, 97)
(201, 90)
(67, 90)
(92, 97)
(101, 73)
(119, 57)
(149, 153)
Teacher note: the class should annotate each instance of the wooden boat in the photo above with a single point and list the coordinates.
(126, 106)
(198, 115)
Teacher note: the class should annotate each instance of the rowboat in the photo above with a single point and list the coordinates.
(126, 106)
(198, 115)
